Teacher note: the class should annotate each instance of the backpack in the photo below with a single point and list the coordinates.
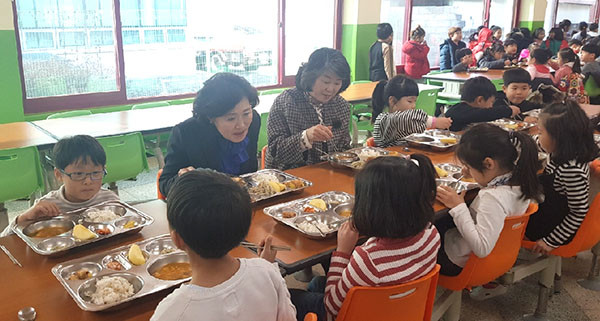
(572, 84)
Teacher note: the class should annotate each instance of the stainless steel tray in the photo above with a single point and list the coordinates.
(249, 182)
(139, 276)
(454, 172)
(363, 154)
(59, 244)
(533, 113)
(512, 124)
(432, 138)
(298, 211)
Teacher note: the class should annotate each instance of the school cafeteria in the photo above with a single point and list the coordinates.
(230, 160)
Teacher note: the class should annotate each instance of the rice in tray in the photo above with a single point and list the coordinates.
(101, 216)
(264, 177)
(111, 290)
(310, 228)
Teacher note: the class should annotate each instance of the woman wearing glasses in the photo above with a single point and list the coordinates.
(222, 134)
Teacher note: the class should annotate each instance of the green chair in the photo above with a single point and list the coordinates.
(181, 101)
(361, 82)
(156, 144)
(427, 101)
(150, 105)
(272, 91)
(591, 88)
(71, 113)
(499, 83)
(125, 157)
(22, 176)
(262, 134)
(435, 72)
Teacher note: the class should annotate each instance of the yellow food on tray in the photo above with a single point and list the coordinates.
(294, 184)
(80, 232)
(448, 140)
(135, 255)
(130, 224)
(318, 203)
(440, 172)
(276, 186)
(511, 126)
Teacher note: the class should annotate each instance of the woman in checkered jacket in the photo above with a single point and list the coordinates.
(312, 118)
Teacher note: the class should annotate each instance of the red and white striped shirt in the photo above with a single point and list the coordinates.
(380, 262)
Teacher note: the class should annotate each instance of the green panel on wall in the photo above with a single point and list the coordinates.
(349, 46)
(531, 25)
(11, 104)
(366, 35)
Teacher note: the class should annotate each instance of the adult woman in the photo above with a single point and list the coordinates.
(311, 118)
(449, 47)
(221, 135)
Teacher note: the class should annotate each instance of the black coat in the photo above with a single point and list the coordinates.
(194, 143)
(448, 53)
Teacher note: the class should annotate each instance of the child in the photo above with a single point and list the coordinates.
(566, 134)
(568, 77)
(416, 51)
(591, 68)
(538, 36)
(575, 45)
(511, 51)
(80, 165)
(582, 35)
(496, 34)
(593, 30)
(400, 95)
(448, 49)
(505, 164)
(516, 88)
(484, 41)
(538, 68)
(493, 58)
(402, 244)
(209, 215)
(477, 98)
(381, 54)
(465, 57)
(555, 41)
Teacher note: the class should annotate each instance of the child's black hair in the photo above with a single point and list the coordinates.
(486, 140)
(583, 29)
(541, 55)
(517, 75)
(384, 30)
(474, 35)
(417, 33)
(558, 34)
(575, 42)
(593, 26)
(398, 87)
(538, 32)
(592, 48)
(460, 53)
(477, 86)
(383, 207)
(495, 28)
(78, 149)
(493, 49)
(571, 130)
(510, 42)
(568, 55)
(209, 211)
(526, 33)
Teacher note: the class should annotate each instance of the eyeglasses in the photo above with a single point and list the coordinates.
(80, 176)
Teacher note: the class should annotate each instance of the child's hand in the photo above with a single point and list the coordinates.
(41, 209)
(515, 110)
(448, 197)
(443, 122)
(347, 238)
(541, 247)
(267, 252)
(185, 170)
(507, 62)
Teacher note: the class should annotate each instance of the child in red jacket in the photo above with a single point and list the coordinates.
(416, 51)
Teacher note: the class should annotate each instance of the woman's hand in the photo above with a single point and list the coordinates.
(185, 170)
(443, 122)
(319, 133)
(448, 197)
(541, 247)
(347, 238)
(267, 252)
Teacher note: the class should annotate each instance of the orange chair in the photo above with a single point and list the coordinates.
(410, 301)
(263, 154)
(158, 193)
(371, 142)
(478, 271)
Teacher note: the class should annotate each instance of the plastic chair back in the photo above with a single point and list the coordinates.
(435, 72)
(356, 82)
(125, 156)
(150, 105)
(21, 173)
(262, 134)
(410, 301)
(586, 237)
(158, 193)
(480, 271)
(272, 91)
(427, 100)
(591, 87)
(72, 113)
(371, 142)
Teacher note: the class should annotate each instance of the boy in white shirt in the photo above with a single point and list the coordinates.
(209, 215)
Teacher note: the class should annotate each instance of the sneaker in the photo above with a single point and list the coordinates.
(487, 291)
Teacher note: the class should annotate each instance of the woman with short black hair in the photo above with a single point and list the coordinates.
(312, 118)
(222, 134)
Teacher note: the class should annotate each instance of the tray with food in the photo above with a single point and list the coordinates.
(268, 183)
(478, 69)
(104, 280)
(356, 158)
(512, 124)
(450, 175)
(533, 113)
(436, 139)
(55, 235)
(317, 216)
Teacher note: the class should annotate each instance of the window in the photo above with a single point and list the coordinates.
(170, 47)
(500, 20)
(575, 10)
(393, 12)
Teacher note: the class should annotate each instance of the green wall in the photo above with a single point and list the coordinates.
(531, 25)
(11, 98)
(356, 41)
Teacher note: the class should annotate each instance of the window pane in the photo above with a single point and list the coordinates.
(575, 11)
(392, 12)
(436, 19)
(503, 21)
(67, 47)
(184, 52)
(301, 19)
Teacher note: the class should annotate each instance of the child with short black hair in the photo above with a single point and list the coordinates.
(591, 68)
(511, 48)
(493, 58)
(465, 58)
(209, 215)
(402, 119)
(416, 51)
(402, 243)
(516, 88)
(575, 45)
(477, 99)
(567, 135)
(538, 68)
(381, 54)
(79, 163)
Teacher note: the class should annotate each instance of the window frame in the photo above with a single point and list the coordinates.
(119, 97)
(595, 14)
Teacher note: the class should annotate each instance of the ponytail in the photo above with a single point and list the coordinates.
(568, 55)
(427, 172)
(577, 65)
(378, 100)
(526, 166)
(397, 87)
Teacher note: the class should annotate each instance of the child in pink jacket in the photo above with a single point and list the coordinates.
(416, 51)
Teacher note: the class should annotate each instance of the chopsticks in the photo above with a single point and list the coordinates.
(250, 245)
(10, 256)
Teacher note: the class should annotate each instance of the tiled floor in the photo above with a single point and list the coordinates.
(573, 303)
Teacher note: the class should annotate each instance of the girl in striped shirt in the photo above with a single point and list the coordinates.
(567, 135)
(400, 95)
(402, 244)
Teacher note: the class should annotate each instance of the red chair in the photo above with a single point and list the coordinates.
(263, 154)
(371, 142)
(410, 301)
(158, 193)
